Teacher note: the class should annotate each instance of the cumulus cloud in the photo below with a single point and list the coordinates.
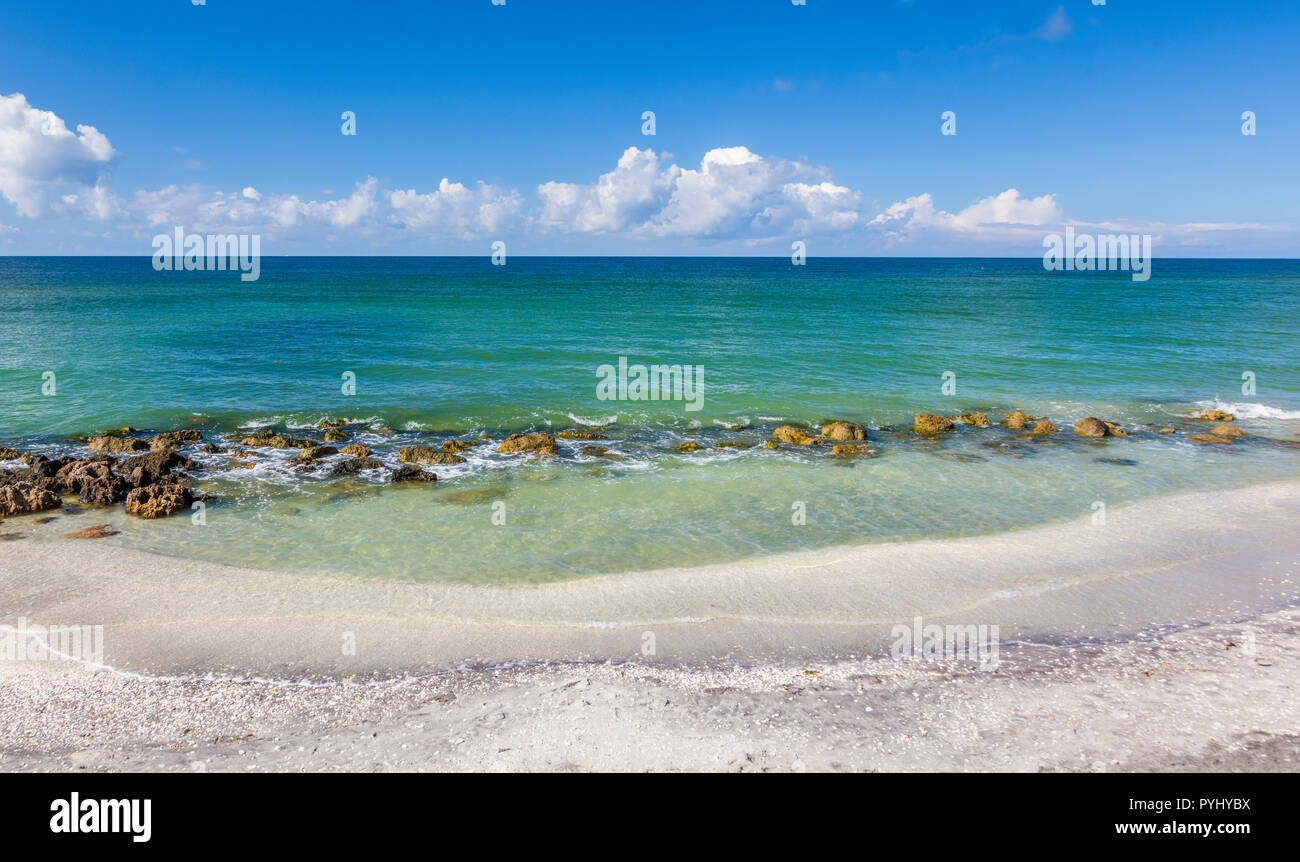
(453, 209)
(1000, 216)
(44, 164)
(733, 194)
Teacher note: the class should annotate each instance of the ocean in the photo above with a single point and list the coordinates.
(436, 348)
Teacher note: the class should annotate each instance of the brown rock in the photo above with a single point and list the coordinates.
(580, 435)
(795, 436)
(159, 500)
(357, 450)
(1227, 431)
(1216, 416)
(334, 435)
(331, 423)
(1017, 419)
(311, 453)
(979, 420)
(412, 473)
(850, 449)
(21, 497)
(277, 441)
(352, 466)
(99, 531)
(1044, 428)
(1090, 427)
(1114, 430)
(1208, 438)
(7, 454)
(539, 443)
(427, 455)
(149, 469)
(1166, 431)
(93, 481)
(929, 423)
(174, 439)
(455, 446)
(840, 430)
(116, 444)
(689, 446)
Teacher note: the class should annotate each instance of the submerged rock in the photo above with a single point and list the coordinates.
(108, 444)
(539, 443)
(795, 436)
(1227, 431)
(733, 444)
(412, 473)
(1208, 438)
(929, 423)
(21, 497)
(841, 430)
(212, 449)
(159, 500)
(850, 449)
(99, 531)
(580, 435)
(741, 427)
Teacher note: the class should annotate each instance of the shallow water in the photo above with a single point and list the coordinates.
(457, 347)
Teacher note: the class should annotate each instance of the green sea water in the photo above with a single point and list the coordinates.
(456, 347)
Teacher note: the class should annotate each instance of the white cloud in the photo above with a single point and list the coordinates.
(41, 158)
(454, 209)
(1002, 216)
(734, 194)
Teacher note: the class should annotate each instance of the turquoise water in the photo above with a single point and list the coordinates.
(445, 347)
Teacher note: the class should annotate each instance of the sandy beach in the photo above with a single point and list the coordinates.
(779, 663)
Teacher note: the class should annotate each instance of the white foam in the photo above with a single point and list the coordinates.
(1250, 409)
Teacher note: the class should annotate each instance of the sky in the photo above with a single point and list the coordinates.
(774, 123)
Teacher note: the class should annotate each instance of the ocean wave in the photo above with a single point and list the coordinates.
(1250, 409)
(583, 420)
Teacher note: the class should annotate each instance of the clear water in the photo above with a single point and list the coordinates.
(445, 347)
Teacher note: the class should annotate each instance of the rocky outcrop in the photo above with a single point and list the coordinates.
(311, 453)
(412, 473)
(276, 441)
(106, 444)
(212, 449)
(7, 454)
(22, 497)
(331, 423)
(159, 500)
(427, 455)
(580, 435)
(979, 420)
(794, 436)
(174, 439)
(1044, 428)
(1216, 416)
(356, 450)
(352, 466)
(93, 481)
(155, 466)
(1090, 427)
(539, 443)
(929, 423)
(841, 431)
(1017, 419)
(334, 435)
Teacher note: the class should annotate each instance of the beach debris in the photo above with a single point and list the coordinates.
(929, 423)
(427, 455)
(795, 436)
(844, 431)
(99, 531)
(21, 497)
(539, 443)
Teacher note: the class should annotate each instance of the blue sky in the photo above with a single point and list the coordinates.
(774, 122)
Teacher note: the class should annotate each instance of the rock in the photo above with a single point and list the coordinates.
(21, 497)
(384, 430)
(331, 423)
(1208, 438)
(689, 446)
(1227, 431)
(93, 481)
(412, 473)
(277, 441)
(840, 430)
(158, 500)
(149, 469)
(311, 453)
(174, 439)
(737, 427)
(1114, 430)
(1090, 427)
(356, 450)
(770, 444)
(795, 436)
(850, 449)
(212, 449)
(99, 531)
(334, 435)
(979, 420)
(352, 466)
(580, 435)
(455, 446)
(540, 443)
(1120, 462)
(1216, 416)
(929, 423)
(733, 444)
(7, 454)
(1017, 419)
(427, 455)
(116, 444)
(1166, 431)
(1044, 428)
(595, 451)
